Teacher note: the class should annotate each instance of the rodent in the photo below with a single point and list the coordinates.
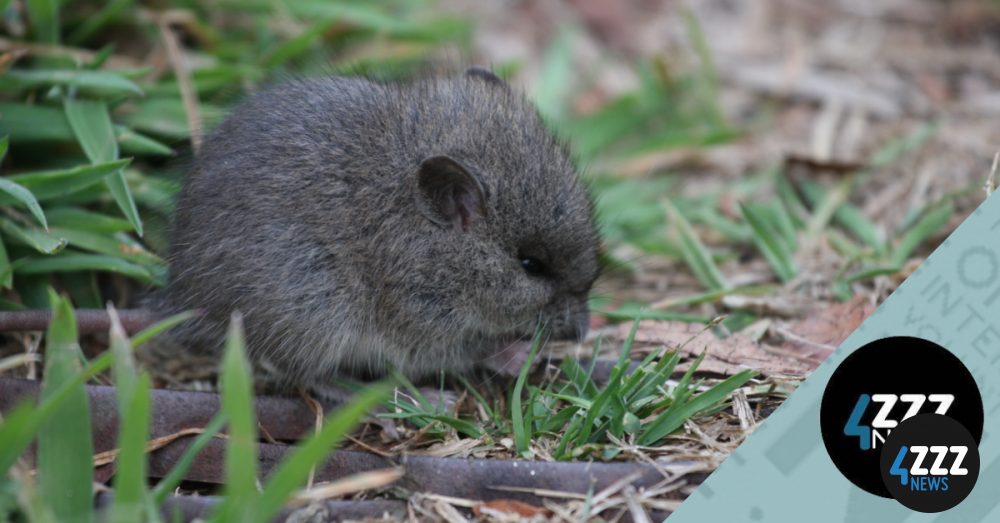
(431, 224)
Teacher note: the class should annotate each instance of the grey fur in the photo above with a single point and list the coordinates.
(302, 211)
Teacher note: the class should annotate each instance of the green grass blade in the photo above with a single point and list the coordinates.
(34, 123)
(783, 224)
(475, 393)
(664, 425)
(593, 362)
(44, 15)
(570, 435)
(125, 374)
(6, 269)
(893, 150)
(100, 82)
(580, 402)
(82, 288)
(522, 436)
(241, 450)
(864, 274)
(91, 122)
(130, 479)
(796, 209)
(559, 420)
(49, 185)
(770, 243)
(732, 231)
(133, 142)
(24, 196)
(469, 429)
(695, 254)
(93, 24)
(713, 296)
(658, 378)
(579, 378)
(413, 390)
(925, 228)
(296, 45)
(80, 262)
(627, 313)
(604, 399)
(167, 485)
(65, 462)
(709, 84)
(369, 16)
(40, 241)
(100, 57)
(623, 358)
(88, 221)
(824, 211)
(110, 246)
(39, 123)
(161, 326)
(849, 217)
(293, 470)
(619, 411)
(842, 244)
(22, 423)
(557, 68)
(597, 411)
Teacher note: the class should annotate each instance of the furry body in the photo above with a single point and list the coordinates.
(304, 211)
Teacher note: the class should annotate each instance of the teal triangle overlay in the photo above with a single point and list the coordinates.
(782, 472)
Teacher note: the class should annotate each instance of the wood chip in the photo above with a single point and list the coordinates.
(449, 513)
(511, 506)
(104, 458)
(639, 514)
(726, 356)
(742, 409)
(819, 334)
(350, 485)
(448, 449)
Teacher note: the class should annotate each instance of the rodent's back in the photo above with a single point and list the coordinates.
(301, 212)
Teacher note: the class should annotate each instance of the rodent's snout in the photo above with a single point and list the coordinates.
(572, 322)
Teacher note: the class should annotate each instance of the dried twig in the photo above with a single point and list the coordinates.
(318, 410)
(993, 170)
(349, 485)
(639, 514)
(17, 360)
(104, 458)
(192, 108)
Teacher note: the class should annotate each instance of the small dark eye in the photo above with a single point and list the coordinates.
(532, 266)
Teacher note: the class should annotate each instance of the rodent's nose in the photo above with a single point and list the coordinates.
(569, 319)
(578, 320)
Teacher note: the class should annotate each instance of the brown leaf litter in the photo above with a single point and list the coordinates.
(726, 356)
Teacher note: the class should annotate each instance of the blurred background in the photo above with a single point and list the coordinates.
(766, 160)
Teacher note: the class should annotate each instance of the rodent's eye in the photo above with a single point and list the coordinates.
(532, 266)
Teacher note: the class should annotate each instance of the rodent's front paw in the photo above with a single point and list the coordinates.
(509, 358)
(435, 397)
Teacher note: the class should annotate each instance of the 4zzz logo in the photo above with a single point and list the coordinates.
(939, 474)
(870, 436)
(866, 410)
(930, 463)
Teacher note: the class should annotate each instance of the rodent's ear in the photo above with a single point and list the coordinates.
(484, 74)
(448, 194)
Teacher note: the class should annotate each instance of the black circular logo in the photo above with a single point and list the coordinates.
(930, 463)
(882, 384)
